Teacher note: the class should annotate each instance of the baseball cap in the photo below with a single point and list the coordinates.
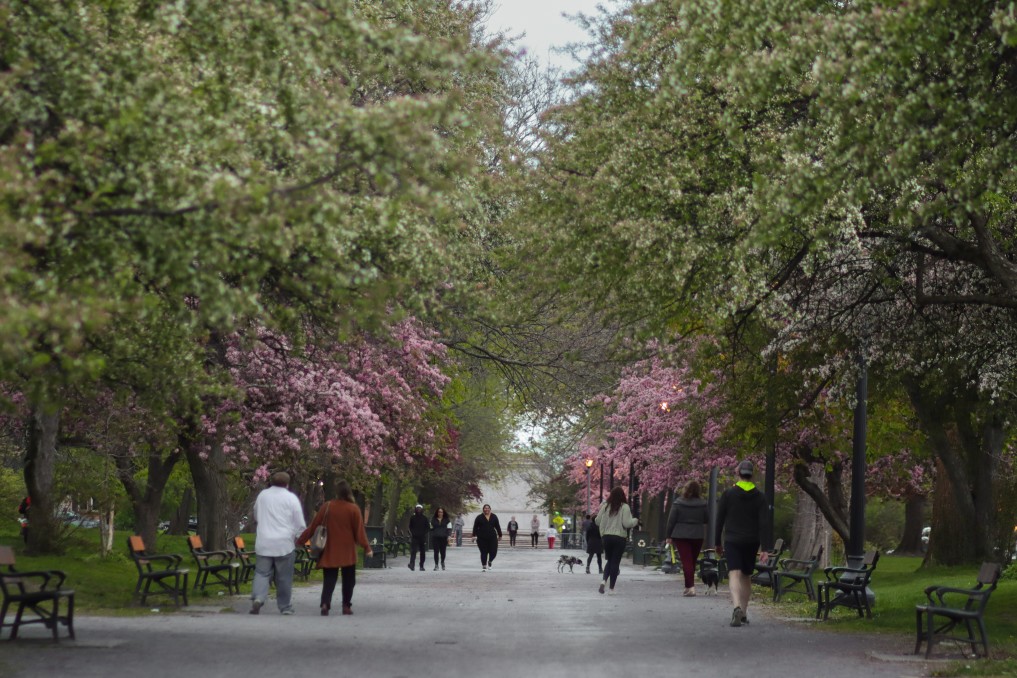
(746, 469)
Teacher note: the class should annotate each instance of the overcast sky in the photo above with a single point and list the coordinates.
(544, 25)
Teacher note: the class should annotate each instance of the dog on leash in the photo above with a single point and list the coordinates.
(709, 574)
(568, 561)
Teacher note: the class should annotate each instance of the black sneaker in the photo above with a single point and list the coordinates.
(410, 566)
(256, 606)
(737, 616)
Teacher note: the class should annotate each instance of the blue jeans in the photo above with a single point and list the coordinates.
(279, 568)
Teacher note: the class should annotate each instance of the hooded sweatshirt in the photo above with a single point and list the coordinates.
(688, 519)
(741, 514)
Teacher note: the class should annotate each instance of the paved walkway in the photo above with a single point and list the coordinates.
(521, 619)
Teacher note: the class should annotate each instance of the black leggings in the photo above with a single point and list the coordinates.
(512, 538)
(439, 545)
(614, 549)
(488, 549)
(600, 563)
(329, 577)
(533, 538)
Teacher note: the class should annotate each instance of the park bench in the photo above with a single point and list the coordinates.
(219, 564)
(304, 563)
(169, 577)
(967, 612)
(795, 576)
(39, 592)
(850, 585)
(246, 560)
(763, 572)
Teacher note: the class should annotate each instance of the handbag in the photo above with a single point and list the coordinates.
(320, 536)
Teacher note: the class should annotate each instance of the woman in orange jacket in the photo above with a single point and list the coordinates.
(345, 525)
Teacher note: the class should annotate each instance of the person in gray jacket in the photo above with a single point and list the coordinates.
(686, 528)
(614, 519)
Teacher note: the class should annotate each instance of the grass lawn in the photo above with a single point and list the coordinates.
(898, 584)
(106, 585)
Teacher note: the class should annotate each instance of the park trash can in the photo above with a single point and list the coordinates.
(640, 545)
(376, 538)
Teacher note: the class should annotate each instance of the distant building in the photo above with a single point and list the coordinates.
(510, 496)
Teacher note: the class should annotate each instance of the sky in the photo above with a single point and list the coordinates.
(544, 25)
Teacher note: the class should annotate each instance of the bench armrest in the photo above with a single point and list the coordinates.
(223, 556)
(45, 575)
(171, 559)
(834, 573)
(791, 563)
(941, 591)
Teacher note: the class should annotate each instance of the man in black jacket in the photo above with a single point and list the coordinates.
(743, 510)
(419, 525)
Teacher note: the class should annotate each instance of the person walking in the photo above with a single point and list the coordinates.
(441, 528)
(513, 529)
(686, 528)
(487, 534)
(534, 531)
(419, 525)
(345, 525)
(741, 517)
(24, 509)
(551, 535)
(594, 545)
(615, 519)
(280, 519)
(457, 528)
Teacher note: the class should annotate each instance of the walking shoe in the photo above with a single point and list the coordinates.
(737, 616)
(587, 570)
(288, 611)
(410, 566)
(689, 592)
(745, 620)
(610, 592)
(443, 566)
(483, 569)
(256, 606)
(324, 610)
(347, 609)
(601, 589)
(435, 568)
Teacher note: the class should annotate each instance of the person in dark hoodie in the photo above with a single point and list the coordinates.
(487, 534)
(419, 525)
(686, 528)
(741, 516)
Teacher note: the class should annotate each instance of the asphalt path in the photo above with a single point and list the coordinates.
(520, 619)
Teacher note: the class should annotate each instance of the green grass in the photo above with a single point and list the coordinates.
(898, 584)
(106, 585)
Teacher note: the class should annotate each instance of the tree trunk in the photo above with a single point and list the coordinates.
(209, 476)
(106, 531)
(950, 542)
(966, 454)
(376, 508)
(178, 523)
(40, 461)
(832, 501)
(393, 504)
(147, 504)
(810, 529)
(914, 521)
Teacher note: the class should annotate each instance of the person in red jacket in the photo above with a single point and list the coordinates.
(345, 525)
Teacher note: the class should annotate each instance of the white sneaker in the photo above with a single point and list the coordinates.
(610, 592)
(483, 569)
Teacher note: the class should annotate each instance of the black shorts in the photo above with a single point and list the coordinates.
(740, 556)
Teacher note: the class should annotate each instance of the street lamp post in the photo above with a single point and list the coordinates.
(589, 465)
